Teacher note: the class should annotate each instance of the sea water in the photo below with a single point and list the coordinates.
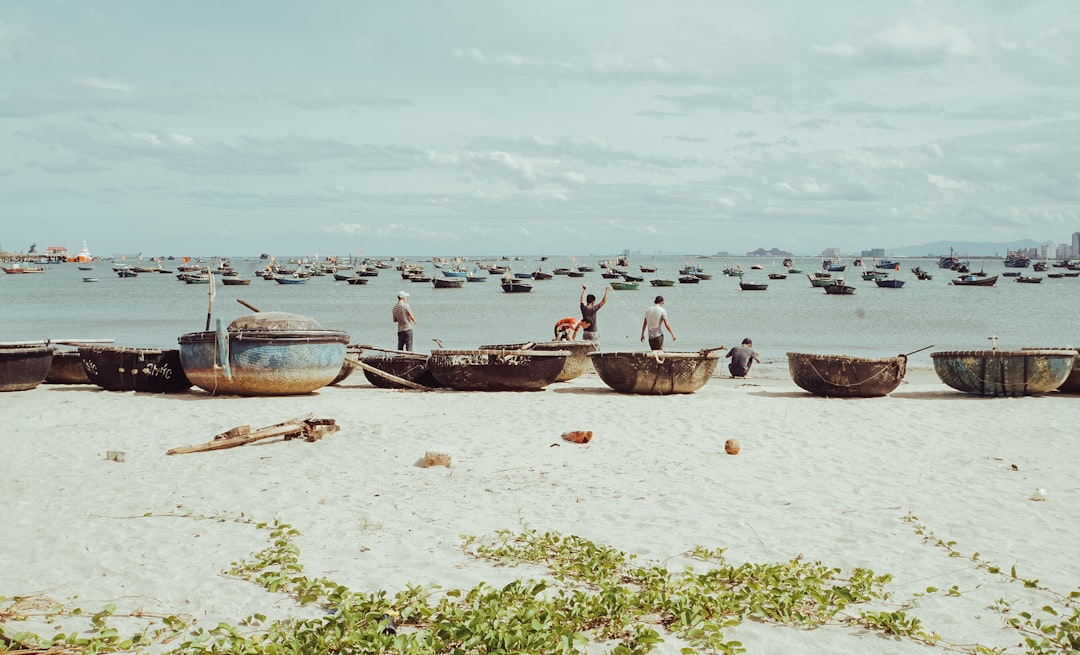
(154, 309)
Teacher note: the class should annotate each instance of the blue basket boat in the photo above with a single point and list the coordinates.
(1004, 372)
(268, 354)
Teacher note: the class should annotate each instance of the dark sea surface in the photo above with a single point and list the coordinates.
(154, 309)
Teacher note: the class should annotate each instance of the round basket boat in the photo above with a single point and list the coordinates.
(654, 372)
(134, 369)
(1004, 372)
(24, 367)
(405, 365)
(497, 370)
(576, 364)
(67, 368)
(1071, 383)
(269, 354)
(843, 376)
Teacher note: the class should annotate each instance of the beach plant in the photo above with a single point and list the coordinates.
(1050, 628)
(587, 596)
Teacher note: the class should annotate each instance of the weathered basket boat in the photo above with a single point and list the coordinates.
(151, 370)
(1004, 372)
(24, 367)
(497, 370)
(576, 364)
(269, 354)
(655, 372)
(67, 368)
(1072, 382)
(843, 376)
(405, 365)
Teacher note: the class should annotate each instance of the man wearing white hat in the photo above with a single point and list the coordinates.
(405, 320)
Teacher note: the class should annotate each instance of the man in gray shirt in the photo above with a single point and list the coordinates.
(742, 358)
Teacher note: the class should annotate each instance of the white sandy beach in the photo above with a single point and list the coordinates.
(820, 479)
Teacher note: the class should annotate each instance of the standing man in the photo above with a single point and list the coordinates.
(405, 320)
(589, 307)
(655, 321)
(742, 358)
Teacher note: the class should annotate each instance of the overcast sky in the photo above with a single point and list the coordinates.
(554, 127)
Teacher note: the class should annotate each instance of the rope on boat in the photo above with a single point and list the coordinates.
(658, 355)
(883, 371)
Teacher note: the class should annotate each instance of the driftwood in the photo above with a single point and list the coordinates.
(389, 376)
(306, 427)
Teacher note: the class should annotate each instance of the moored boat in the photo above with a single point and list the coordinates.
(17, 268)
(975, 281)
(447, 282)
(843, 376)
(753, 286)
(23, 367)
(890, 284)
(655, 372)
(1004, 372)
(625, 286)
(515, 285)
(264, 354)
(497, 370)
(839, 289)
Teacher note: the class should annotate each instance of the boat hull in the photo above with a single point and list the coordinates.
(1072, 382)
(497, 370)
(24, 367)
(265, 362)
(1004, 372)
(67, 368)
(654, 372)
(150, 370)
(405, 365)
(576, 364)
(842, 376)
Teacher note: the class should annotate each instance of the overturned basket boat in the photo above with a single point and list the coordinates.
(24, 367)
(576, 364)
(655, 372)
(843, 376)
(1004, 372)
(151, 370)
(269, 354)
(497, 370)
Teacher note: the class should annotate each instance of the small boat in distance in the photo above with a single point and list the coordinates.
(18, 268)
(515, 285)
(975, 281)
(839, 289)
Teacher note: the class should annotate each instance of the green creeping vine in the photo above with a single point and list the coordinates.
(1057, 632)
(594, 594)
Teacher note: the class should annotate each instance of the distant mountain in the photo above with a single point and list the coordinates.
(771, 252)
(963, 248)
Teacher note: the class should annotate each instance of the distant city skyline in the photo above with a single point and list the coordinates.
(536, 128)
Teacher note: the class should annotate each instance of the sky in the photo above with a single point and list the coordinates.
(545, 128)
